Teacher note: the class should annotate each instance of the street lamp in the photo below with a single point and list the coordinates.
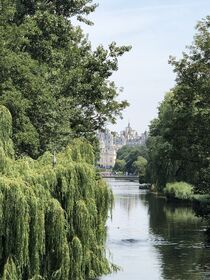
(54, 160)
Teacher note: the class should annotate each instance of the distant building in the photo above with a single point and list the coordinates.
(131, 137)
(107, 149)
(110, 142)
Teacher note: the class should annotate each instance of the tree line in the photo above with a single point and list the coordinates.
(178, 146)
(132, 160)
(179, 138)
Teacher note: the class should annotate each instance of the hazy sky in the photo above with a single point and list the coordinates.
(155, 29)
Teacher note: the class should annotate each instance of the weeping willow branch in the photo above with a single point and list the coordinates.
(52, 219)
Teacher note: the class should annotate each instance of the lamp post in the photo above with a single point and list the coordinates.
(54, 160)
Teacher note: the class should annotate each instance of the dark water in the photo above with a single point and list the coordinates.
(151, 239)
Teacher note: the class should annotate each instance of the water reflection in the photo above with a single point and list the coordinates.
(185, 256)
(151, 239)
(127, 203)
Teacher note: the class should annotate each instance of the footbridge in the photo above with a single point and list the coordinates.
(121, 177)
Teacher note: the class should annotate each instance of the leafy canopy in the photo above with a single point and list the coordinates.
(52, 81)
(131, 154)
(52, 219)
(179, 147)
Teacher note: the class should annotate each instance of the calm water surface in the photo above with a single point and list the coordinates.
(151, 239)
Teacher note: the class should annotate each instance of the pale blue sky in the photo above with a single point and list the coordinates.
(155, 29)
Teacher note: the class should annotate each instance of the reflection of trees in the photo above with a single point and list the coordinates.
(182, 253)
(127, 202)
(181, 215)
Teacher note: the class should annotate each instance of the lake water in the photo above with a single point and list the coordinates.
(151, 239)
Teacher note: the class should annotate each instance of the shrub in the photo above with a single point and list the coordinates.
(179, 190)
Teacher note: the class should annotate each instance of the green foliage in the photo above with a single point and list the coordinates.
(52, 219)
(130, 154)
(178, 146)
(119, 165)
(67, 9)
(11, 271)
(140, 166)
(55, 86)
(6, 144)
(179, 190)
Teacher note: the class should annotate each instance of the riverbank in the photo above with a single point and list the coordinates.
(182, 193)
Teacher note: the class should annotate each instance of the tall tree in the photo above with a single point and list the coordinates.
(54, 84)
(192, 108)
(140, 168)
(179, 142)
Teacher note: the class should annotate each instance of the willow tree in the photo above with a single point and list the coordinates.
(52, 219)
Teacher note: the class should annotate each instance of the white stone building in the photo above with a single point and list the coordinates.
(107, 150)
(110, 142)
